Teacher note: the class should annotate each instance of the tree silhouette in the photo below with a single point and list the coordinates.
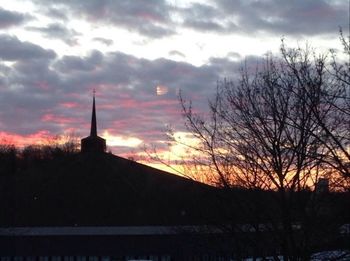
(284, 128)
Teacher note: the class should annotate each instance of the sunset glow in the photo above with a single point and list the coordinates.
(138, 57)
(112, 140)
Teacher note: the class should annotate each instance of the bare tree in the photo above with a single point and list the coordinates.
(331, 105)
(281, 128)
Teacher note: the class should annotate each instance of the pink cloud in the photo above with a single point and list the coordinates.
(69, 105)
(49, 117)
(37, 138)
(130, 103)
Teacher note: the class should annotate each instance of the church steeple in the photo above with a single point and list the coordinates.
(93, 130)
(93, 143)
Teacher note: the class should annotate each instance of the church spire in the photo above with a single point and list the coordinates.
(93, 131)
(93, 143)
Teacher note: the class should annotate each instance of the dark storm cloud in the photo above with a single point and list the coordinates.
(12, 18)
(57, 31)
(12, 49)
(150, 18)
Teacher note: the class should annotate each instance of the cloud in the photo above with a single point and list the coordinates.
(105, 41)
(292, 17)
(202, 17)
(55, 94)
(57, 13)
(41, 92)
(11, 18)
(160, 18)
(69, 64)
(25, 140)
(12, 49)
(250, 17)
(234, 55)
(176, 53)
(57, 31)
(149, 18)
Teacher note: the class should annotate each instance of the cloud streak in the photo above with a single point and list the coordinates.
(57, 31)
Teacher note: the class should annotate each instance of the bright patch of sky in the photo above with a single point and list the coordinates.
(113, 140)
(196, 47)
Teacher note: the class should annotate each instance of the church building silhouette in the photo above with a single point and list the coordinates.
(96, 206)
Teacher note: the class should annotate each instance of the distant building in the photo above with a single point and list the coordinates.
(322, 185)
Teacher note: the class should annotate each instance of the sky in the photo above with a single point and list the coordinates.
(138, 55)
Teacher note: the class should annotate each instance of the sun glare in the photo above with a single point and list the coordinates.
(161, 90)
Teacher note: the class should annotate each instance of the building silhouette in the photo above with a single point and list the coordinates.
(93, 143)
(96, 206)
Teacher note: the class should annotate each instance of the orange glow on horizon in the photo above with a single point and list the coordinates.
(38, 138)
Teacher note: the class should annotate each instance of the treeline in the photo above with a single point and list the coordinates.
(14, 159)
